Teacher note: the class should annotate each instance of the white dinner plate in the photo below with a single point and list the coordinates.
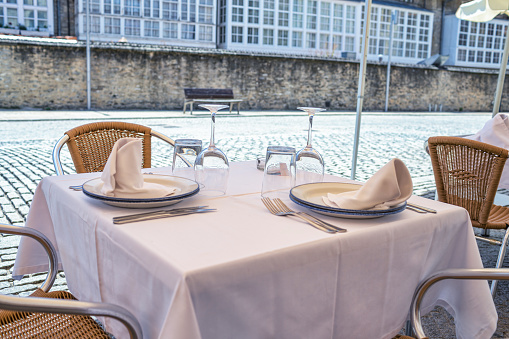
(187, 188)
(310, 196)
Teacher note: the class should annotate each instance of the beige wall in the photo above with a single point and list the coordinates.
(123, 77)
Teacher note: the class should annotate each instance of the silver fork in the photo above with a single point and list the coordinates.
(285, 208)
(276, 211)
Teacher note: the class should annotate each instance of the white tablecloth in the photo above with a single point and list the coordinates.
(241, 272)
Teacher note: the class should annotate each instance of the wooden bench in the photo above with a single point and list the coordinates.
(210, 95)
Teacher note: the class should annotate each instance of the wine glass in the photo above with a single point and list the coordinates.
(211, 165)
(308, 162)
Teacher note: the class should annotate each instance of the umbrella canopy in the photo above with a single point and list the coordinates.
(482, 11)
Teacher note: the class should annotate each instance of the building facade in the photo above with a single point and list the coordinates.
(332, 28)
(29, 15)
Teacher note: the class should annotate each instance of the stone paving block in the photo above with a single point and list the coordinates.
(14, 218)
(8, 257)
(12, 195)
(4, 251)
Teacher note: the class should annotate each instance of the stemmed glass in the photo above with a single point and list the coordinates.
(211, 165)
(308, 162)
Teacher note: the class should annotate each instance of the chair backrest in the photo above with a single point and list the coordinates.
(467, 173)
(90, 145)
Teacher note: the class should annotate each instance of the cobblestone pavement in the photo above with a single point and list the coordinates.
(25, 158)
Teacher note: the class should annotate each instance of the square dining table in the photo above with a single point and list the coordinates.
(241, 272)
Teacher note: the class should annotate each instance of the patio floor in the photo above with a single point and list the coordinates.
(28, 138)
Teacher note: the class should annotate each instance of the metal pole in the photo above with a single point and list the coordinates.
(393, 19)
(501, 76)
(360, 89)
(88, 53)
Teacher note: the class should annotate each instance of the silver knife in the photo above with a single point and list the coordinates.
(174, 210)
(163, 215)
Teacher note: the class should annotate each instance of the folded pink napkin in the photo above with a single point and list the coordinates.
(496, 132)
(122, 177)
(391, 185)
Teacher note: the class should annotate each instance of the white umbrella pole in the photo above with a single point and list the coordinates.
(360, 89)
(501, 76)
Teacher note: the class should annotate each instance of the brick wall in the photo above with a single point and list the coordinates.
(153, 77)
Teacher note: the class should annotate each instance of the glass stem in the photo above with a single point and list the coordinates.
(212, 128)
(310, 130)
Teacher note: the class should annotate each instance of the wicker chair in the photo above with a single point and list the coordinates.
(467, 174)
(55, 314)
(90, 145)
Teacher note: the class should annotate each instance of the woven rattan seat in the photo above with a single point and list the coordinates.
(90, 145)
(55, 314)
(15, 324)
(467, 174)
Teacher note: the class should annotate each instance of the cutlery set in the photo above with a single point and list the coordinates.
(277, 207)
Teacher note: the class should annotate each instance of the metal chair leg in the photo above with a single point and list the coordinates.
(500, 261)
(231, 106)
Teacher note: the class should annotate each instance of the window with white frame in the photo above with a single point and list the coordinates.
(311, 40)
(205, 33)
(188, 11)
(170, 9)
(132, 8)
(111, 6)
(205, 11)
(237, 32)
(337, 18)
(253, 11)
(268, 36)
(325, 16)
(151, 28)
(222, 34)
(95, 6)
(298, 14)
(336, 42)
(311, 14)
(282, 38)
(111, 25)
(350, 20)
(268, 12)
(237, 10)
(95, 24)
(188, 32)
(12, 17)
(170, 30)
(132, 27)
(252, 35)
(222, 11)
(297, 39)
(324, 41)
(481, 44)
(284, 13)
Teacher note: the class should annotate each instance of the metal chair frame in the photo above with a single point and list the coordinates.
(48, 305)
(494, 274)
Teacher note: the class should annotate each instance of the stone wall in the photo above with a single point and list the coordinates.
(53, 76)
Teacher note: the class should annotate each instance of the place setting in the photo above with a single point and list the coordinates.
(299, 176)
